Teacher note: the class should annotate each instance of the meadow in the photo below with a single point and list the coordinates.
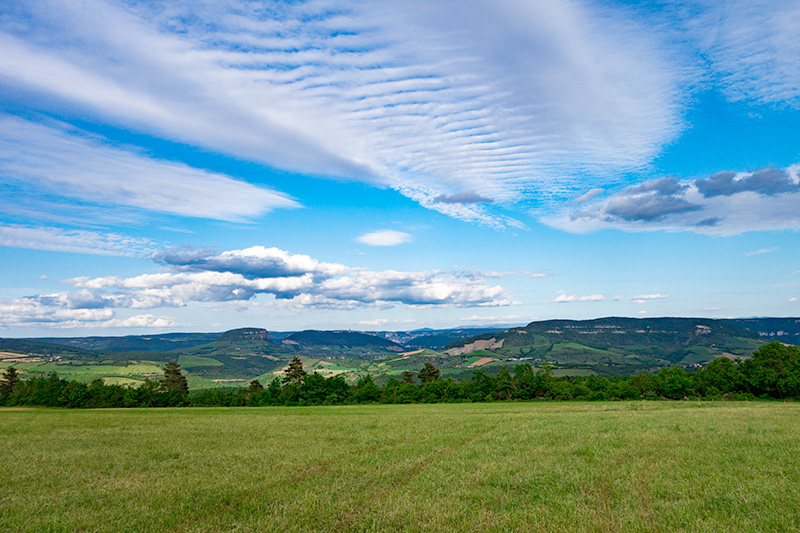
(508, 466)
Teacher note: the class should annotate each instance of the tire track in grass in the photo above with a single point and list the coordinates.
(404, 478)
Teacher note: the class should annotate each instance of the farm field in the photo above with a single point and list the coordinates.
(617, 466)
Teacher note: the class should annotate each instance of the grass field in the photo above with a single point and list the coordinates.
(663, 466)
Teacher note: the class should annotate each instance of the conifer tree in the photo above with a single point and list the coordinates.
(174, 380)
(255, 387)
(10, 378)
(428, 373)
(294, 372)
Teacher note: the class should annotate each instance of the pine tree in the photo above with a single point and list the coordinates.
(10, 378)
(255, 387)
(294, 372)
(408, 377)
(174, 380)
(428, 373)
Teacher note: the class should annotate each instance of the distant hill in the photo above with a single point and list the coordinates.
(332, 343)
(786, 330)
(245, 334)
(134, 343)
(48, 349)
(614, 345)
(433, 338)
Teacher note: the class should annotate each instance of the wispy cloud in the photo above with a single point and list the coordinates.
(571, 298)
(644, 298)
(385, 238)
(69, 162)
(76, 241)
(465, 107)
(588, 195)
(431, 98)
(751, 46)
(761, 251)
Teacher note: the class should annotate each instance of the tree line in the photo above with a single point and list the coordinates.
(772, 373)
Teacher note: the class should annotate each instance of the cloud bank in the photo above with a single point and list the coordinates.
(287, 280)
(725, 203)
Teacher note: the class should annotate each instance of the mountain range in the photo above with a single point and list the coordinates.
(606, 346)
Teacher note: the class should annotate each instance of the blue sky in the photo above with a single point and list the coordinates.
(332, 164)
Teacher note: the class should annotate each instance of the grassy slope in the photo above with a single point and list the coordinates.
(666, 466)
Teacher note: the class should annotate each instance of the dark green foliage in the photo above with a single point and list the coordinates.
(255, 387)
(294, 373)
(774, 370)
(349, 339)
(366, 391)
(10, 378)
(408, 377)
(25, 346)
(428, 373)
(136, 343)
(174, 381)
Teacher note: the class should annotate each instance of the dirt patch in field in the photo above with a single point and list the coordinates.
(489, 344)
(482, 361)
(415, 352)
(11, 357)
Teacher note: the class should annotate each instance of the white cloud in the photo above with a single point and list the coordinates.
(71, 163)
(450, 103)
(726, 203)
(376, 322)
(385, 238)
(752, 46)
(507, 100)
(564, 298)
(253, 262)
(56, 312)
(140, 321)
(498, 319)
(793, 299)
(644, 298)
(588, 195)
(293, 281)
(760, 252)
(76, 241)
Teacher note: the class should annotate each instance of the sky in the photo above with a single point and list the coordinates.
(392, 165)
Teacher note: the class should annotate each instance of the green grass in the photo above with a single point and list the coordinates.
(660, 466)
(192, 361)
(89, 372)
(576, 346)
